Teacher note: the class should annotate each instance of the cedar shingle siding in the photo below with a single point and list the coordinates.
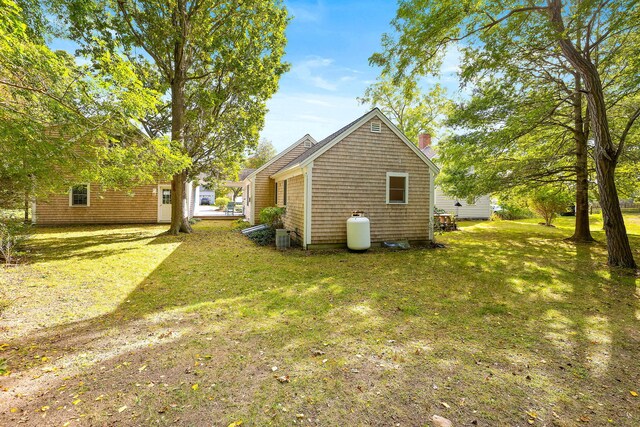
(294, 217)
(140, 205)
(351, 176)
(265, 186)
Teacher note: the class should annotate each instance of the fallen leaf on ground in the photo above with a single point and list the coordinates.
(75, 402)
(282, 379)
(194, 387)
(445, 404)
(235, 423)
(317, 352)
(633, 393)
(13, 410)
(122, 408)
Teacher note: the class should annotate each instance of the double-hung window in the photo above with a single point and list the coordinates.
(285, 193)
(397, 188)
(79, 195)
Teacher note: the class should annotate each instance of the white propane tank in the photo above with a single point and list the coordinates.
(358, 232)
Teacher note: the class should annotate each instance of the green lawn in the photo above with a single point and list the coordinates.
(508, 325)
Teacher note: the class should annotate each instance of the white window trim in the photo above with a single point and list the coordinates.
(71, 205)
(406, 187)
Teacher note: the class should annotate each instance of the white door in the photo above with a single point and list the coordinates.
(164, 203)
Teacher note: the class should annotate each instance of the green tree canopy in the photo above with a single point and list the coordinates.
(413, 111)
(589, 40)
(217, 61)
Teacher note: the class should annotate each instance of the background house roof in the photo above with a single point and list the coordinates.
(245, 173)
(429, 152)
(307, 137)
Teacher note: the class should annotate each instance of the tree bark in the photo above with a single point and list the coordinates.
(582, 232)
(618, 248)
(179, 211)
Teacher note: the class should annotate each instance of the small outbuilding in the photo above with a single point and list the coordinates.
(368, 165)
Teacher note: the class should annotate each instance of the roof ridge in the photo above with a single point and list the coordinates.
(309, 152)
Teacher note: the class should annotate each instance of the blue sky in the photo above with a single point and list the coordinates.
(329, 44)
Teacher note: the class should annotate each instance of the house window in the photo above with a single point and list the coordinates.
(285, 192)
(307, 144)
(166, 196)
(275, 203)
(248, 194)
(471, 201)
(376, 127)
(79, 195)
(397, 187)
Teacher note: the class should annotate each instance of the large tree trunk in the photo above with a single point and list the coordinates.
(618, 247)
(582, 232)
(179, 211)
(26, 206)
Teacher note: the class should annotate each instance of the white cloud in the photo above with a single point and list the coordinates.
(310, 70)
(306, 12)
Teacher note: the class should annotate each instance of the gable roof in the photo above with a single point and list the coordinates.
(244, 173)
(308, 156)
(429, 152)
(279, 155)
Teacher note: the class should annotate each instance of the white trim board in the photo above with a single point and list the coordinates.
(279, 155)
(308, 194)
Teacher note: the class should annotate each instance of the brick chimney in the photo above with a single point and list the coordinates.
(424, 140)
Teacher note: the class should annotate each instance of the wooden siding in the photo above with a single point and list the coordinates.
(481, 209)
(294, 218)
(140, 205)
(265, 186)
(351, 176)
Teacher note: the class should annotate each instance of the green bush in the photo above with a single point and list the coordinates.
(14, 233)
(240, 224)
(511, 211)
(222, 202)
(265, 237)
(548, 202)
(272, 216)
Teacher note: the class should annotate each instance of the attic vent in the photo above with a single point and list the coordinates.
(376, 127)
(307, 144)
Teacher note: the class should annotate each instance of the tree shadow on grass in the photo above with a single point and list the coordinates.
(493, 327)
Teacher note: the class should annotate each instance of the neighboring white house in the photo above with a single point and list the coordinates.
(479, 208)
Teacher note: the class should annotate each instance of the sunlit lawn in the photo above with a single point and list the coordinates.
(508, 325)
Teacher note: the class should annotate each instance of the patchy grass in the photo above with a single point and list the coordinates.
(509, 325)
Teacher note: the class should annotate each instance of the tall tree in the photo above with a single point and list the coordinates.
(607, 65)
(219, 60)
(61, 122)
(413, 111)
(264, 152)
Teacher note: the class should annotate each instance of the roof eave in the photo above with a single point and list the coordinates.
(279, 155)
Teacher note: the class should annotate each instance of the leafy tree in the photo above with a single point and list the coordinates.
(548, 201)
(218, 60)
(62, 122)
(264, 152)
(606, 63)
(411, 110)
